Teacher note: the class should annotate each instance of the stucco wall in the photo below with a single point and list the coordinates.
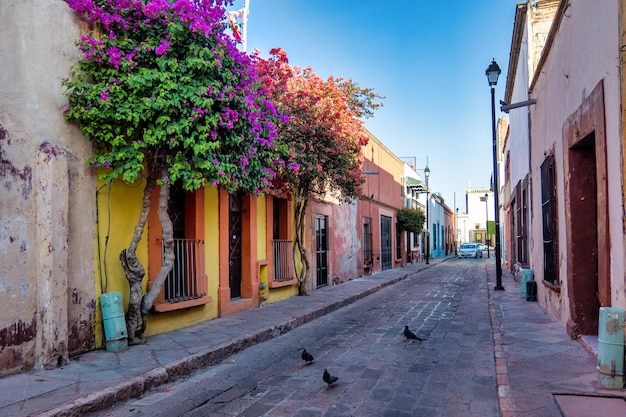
(585, 51)
(476, 208)
(344, 245)
(47, 205)
(517, 144)
(436, 219)
(383, 184)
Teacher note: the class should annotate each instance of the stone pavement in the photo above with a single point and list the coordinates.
(534, 357)
(450, 373)
(536, 360)
(98, 379)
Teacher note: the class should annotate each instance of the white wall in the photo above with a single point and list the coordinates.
(477, 212)
(518, 142)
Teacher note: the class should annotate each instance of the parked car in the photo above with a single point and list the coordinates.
(470, 250)
(483, 247)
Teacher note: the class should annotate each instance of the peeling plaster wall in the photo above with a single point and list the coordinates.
(344, 244)
(585, 51)
(345, 220)
(346, 266)
(47, 204)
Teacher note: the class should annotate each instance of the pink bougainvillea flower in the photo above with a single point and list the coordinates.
(115, 56)
(162, 48)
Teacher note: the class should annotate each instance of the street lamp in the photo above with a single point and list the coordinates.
(426, 175)
(485, 199)
(493, 72)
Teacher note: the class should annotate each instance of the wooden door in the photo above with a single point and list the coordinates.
(234, 247)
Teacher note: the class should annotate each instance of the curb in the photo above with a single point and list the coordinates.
(505, 397)
(136, 386)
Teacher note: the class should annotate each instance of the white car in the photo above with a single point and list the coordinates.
(470, 250)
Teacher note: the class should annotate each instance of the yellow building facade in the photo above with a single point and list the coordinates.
(233, 253)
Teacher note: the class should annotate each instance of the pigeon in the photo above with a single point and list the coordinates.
(410, 335)
(329, 379)
(306, 356)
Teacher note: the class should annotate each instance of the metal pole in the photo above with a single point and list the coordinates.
(457, 240)
(499, 286)
(246, 9)
(427, 225)
(487, 223)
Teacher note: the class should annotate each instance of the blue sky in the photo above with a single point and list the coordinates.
(428, 58)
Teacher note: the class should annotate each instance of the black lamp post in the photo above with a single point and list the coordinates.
(456, 229)
(487, 241)
(426, 175)
(493, 72)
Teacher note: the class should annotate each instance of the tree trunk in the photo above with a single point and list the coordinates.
(135, 271)
(299, 247)
(139, 304)
(168, 251)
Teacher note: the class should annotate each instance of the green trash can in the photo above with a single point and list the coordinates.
(531, 291)
(528, 275)
(115, 334)
(611, 348)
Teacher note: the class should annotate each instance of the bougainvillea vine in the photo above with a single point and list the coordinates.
(326, 134)
(165, 95)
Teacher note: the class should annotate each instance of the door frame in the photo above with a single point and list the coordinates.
(249, 277)
(588, 119)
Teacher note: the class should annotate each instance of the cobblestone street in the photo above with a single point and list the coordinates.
(450, 373)
(485, 353)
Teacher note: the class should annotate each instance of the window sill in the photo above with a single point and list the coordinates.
(163, 307)
(552, 286)
(279, 284)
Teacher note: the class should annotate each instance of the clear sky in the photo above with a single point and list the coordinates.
(428, 58)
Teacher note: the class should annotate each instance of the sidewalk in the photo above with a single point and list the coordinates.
(97, 379)
(540, 370)
(534, 356)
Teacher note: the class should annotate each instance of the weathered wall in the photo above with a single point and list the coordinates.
(584, 52)
(344, 245)
(383, 185)
(47, 209)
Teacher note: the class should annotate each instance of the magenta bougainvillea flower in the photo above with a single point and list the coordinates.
(164, 76)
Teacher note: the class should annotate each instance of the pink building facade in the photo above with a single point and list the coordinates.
(571, 142)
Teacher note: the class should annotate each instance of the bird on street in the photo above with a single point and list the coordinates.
(410, 335)
(306, 356)
(329, 379)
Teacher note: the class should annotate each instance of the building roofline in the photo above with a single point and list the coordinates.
(516, 41)
(371, 136)
(554, 28)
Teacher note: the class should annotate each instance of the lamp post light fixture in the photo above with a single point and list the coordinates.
(426, 175)
(493, 72)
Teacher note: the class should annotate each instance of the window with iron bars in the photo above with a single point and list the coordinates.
(367, 242)
(186, 284)
(549, 220)
(283, 260)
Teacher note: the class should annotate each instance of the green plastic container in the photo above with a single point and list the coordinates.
(114, 322)
(611, 348)
(528, 275)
